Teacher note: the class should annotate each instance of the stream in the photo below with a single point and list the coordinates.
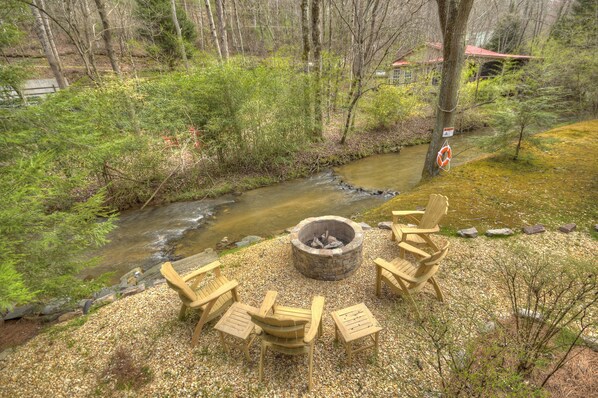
(153, 235)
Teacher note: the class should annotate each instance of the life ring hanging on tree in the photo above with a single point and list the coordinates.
(443, 158)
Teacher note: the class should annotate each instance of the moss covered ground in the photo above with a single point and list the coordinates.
(555, 181)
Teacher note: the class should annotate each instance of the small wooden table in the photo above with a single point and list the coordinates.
(354, 323)
(237, 323)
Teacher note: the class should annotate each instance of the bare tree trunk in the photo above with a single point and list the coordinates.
(305, 59)
(213, 28)
(202, 41)
(179, 34)
(316, 34)
(305, 33)
(222, 27)
(107, 36)
(453, 17)
(238, 26)
(89, 36)
(329, 63)
(42, 35)
(50, 35)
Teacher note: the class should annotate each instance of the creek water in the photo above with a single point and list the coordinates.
(152, 235)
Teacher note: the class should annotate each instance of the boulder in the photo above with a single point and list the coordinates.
(19, 312)
(105, 291)
(85, 305)
(55, 306)
(526, 313)
(385, 225)
(499, 232)
(69, 315)
(110, 298)
(568, 228)
(468, 233)
(365, 226)
(6, 353)
(194, 262)
(534, 229)
(133, 290)
(248, 240)
(591, 342)
(131, 277)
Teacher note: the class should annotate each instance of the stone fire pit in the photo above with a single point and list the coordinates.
(327, 264)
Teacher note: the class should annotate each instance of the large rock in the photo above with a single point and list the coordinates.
(365, 226)
(499, 232)
(131, 277)
(85, 305)
(194, 262)
(468, 233)
(6, 353)
(133, 290)
(110, 298)
(527, 313)
(248, 240)
(534, 229)
(568, 228)
(105, 292)
(55, 306)
(385, 225)
(69, 315)
(19, 312)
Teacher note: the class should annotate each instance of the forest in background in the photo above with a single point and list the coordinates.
(172, 95)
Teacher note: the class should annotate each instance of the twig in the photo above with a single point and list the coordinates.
(160, 186)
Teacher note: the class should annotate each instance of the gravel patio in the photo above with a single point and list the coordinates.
(70, 359)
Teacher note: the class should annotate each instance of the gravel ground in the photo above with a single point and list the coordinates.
(70, 359)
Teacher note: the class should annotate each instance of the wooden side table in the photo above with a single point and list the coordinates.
(236, 322)
(354, 323)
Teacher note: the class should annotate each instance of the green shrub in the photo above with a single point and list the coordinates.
(389, 105)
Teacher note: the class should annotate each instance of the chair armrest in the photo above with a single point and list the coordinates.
(420, 231)
(317, 309)
(393, 270)
(268, 303)
(414, 250)
(202, 270)
(407, 212)
(228, 286)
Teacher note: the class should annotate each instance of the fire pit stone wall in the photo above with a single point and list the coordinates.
(327, 264)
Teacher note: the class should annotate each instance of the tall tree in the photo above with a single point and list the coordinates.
(179, 33)
(107, 36)
(42, 35)
(213, 28)
(453, 16)
(220, 12)
(316, 32)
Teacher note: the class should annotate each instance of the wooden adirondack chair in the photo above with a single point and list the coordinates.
(211, 299)
(405, 278)
(284, 329)
(428, 224)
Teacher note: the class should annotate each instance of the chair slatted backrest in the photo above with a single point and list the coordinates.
(436, 208)
(430, 265)
(177, 283)
(285, 330)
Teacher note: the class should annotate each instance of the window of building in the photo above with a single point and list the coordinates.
(407, 77)
(396, 76)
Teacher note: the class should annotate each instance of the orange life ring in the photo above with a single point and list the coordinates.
(444, 156)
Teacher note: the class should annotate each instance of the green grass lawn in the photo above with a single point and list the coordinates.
(555, 181)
